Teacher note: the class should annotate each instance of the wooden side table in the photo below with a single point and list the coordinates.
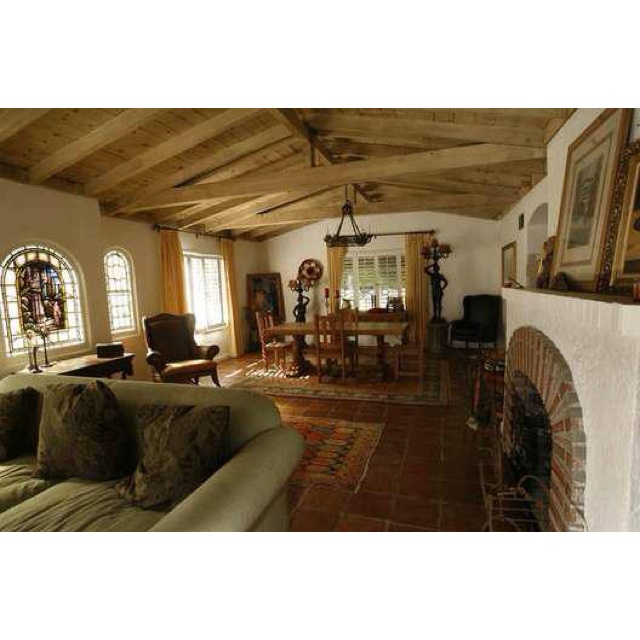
(91, 366)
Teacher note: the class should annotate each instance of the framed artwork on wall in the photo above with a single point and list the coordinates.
(625, 267)
(509, 263)
(584, 223)
(264, 293)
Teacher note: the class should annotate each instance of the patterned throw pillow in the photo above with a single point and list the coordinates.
(82, 434)
(181, 446)
(18, 422)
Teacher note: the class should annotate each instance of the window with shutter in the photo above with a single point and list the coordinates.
(370, 278)
(204, 279)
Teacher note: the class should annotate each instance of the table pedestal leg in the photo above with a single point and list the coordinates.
(300, 365)
(382, 365)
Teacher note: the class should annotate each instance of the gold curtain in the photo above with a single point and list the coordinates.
(236, 337)
(174, 298)
(417, 285)
(335, 258)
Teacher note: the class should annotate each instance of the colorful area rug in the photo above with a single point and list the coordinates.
(336, 453)
(436, 390)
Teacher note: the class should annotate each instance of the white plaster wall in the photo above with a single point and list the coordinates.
(472, 268)
(601, 346)
(71, 223)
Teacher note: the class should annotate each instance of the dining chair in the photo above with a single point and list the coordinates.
(331, 343)
(352, 318)
(272, 349)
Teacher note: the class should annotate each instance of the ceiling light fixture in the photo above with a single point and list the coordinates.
(358, 238)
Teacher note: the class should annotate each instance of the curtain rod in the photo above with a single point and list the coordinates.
(208, 234)
(403, 233)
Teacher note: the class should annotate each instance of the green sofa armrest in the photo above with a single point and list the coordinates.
(237, 495)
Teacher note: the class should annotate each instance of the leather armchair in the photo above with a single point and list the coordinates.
(480, 321)
(173, 354)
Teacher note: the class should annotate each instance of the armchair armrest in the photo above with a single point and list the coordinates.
(206, 353)
(235, 497)
(156, 360)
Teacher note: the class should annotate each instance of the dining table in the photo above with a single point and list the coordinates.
(300, 330)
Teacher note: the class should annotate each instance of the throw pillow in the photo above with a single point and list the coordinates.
(181, 446)
(82, 434)
(18, 422)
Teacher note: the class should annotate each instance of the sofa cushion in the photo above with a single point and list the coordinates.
(78, 505)
(18, 422)
(82, 434)
(181, 446)
(17, 482)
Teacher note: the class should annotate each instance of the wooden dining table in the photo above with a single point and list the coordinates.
(300, 330)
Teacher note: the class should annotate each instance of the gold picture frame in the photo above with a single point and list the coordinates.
(509, 263)
(584, 224)
(625, 267)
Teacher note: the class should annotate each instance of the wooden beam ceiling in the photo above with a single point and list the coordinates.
(343, 125)
(257, 172)
(353, 172)
(227, 160)
(14, 120)
(110, 131)
(297, 127)
(172, 147)
(303, 212)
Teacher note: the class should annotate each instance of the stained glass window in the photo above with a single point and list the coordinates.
(117, 273)
(39, 286)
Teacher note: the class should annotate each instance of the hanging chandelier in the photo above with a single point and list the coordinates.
(357, 239)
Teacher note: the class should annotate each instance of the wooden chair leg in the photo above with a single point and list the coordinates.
(214, 377)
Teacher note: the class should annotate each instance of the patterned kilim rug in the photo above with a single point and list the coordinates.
(336, 453)
(436, 391)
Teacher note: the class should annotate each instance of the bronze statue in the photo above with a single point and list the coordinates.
(438, 284)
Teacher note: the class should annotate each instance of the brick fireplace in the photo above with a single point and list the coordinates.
(538, 381)
(581, 355)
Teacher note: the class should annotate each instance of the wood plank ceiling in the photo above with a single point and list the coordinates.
(257, 173)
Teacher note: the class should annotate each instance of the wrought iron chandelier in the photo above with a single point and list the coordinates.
(357, 239)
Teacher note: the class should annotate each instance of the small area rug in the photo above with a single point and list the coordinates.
(336, 453)
(436, 391)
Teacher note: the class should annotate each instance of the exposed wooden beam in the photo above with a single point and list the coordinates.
(447, 185)
(171, 147)
(352, 172)
(199, 213)
(338, 124)
(110, 131)
(289, 118)
(14, 120)
(302, 212)
(273, 139)
(258, 207)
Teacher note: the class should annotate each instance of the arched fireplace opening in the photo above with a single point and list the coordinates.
(542, 433)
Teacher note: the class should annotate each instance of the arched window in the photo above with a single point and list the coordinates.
(117, 273)
(39, 287)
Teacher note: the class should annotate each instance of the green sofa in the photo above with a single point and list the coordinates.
(247, 494)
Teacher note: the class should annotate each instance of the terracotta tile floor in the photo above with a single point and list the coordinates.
(422, 477)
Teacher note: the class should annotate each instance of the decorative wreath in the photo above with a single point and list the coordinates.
(310, 270)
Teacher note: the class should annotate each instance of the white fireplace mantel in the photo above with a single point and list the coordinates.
(600, 340)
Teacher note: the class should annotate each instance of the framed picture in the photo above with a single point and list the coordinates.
(509, 263)
(589, 180)
(626, 258)
(264, 293)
